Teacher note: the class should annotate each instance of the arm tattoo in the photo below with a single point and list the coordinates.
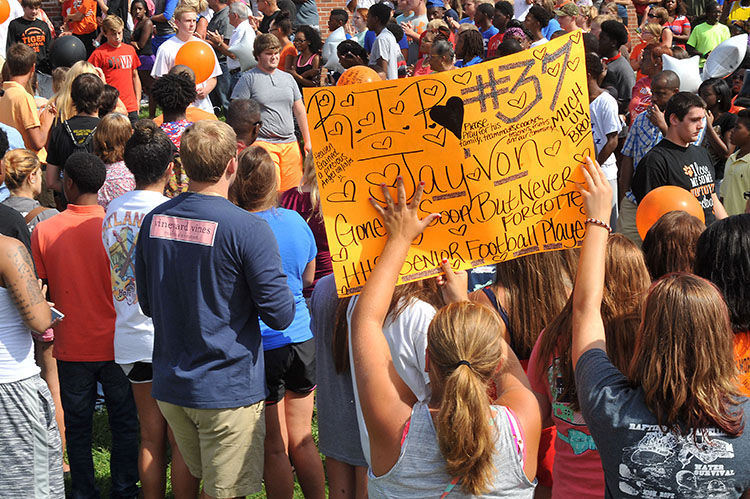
(26, 278)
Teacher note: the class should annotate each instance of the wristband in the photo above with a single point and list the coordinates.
(600, 223)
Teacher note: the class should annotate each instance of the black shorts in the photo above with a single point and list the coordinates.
(291, 367)
(138, 372)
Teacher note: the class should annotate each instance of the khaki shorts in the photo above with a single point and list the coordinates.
(626, 221)
(224, 447)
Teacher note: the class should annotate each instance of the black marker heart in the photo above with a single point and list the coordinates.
(349, 101)
(406, 127)
(368, 120)
(581, 158)
(398, 108)
(432, 125)
(553, 149)
(384, 145)
(342, 255)
(431, 90)
(438, 138)
(451, 115)
(324, 100)
(463, 78)
(388, 176)
(475, 175)
(458, 231)
(344, 196)
(338, 129)
(358, 130)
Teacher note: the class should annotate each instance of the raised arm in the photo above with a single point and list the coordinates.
(18, 277)
(385, 399)
(588, 327)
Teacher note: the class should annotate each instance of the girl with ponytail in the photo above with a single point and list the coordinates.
(456, 444)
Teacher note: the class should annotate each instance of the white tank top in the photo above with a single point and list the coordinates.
(16, 344)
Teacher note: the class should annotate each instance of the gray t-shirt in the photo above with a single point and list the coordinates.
(220, 23)
(621, 76)
(26, 205)
(386, 48)
(307, 14)
(276, 92)
(338, 432)
(638, 458)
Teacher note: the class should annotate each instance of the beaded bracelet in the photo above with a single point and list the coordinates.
(600, 223)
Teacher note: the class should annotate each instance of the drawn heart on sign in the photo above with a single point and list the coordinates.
(368, 120)
(540, 53)
(342, 256)
(451, 115)
(553, 71)
(324, 100)
(581, 157)
(387, 176)
(553, 149)
(349, 101)
(383, 145)
(475, 174)
(518, 103)
(338, 129)
(431, 91)
(438, 138)
(458, 231)
(397, 109)
(344, 196)
(463, 78)
(572, 65)
(576, 37)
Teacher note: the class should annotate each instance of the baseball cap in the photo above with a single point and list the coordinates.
(435, 3)
(566, 9)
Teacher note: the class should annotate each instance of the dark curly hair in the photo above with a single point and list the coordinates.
(148, 152)
(313, 38)
(86, 171)
(174, 92)
(472, 44)
(353, 47)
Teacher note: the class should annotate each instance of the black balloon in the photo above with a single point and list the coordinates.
(66, 51)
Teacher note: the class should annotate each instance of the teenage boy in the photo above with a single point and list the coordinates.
(336, 23)
(280, 101)
(69, 255)
(502, 15)
(677, 161)
(209, 378)
(620, 75)
(77, 133)
(17, 106)
(148, 155)
(483, 20)
(708, 35)
(536, 20)
(647, 130)
(120, 63)
(185, 19)
(385, 51)
(605, 123)
(413, 21)
(35, 33)
(736, 184)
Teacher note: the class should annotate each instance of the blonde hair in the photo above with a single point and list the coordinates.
(206, 148)
(652, 29)
(111, 134)
(62, 100)
(256, 186)
(466, 332)
(684, 359)
(112, 23)
(184, 8)
(660, 13)
(310, 179)
(195, 5)
(436, 24)
(19, 164)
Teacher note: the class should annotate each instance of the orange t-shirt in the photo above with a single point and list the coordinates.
(287, 51)
(192, 114)
(18, 110)
(742, 358)
(69, 253)
(86, 25)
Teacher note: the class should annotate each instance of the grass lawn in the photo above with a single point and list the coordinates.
(102, 442)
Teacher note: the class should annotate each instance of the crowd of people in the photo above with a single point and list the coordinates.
(176, 268)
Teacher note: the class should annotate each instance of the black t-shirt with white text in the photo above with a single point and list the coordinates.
(670, 164)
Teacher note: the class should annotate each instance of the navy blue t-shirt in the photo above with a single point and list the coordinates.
(205, 271)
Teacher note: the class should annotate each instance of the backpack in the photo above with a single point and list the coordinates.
(83, 146)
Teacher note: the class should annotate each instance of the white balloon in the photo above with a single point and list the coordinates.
(686, 69)
(726, 57)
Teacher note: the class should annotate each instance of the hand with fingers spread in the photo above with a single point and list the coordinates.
(401, 219)
(596, 193)
(453, 285)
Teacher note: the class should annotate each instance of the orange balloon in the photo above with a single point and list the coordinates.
(662, 200)
(196, 55)
(4, 11)
(355, 74)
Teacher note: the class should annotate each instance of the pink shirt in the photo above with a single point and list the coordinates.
(577, 473)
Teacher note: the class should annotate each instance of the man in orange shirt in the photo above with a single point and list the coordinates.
(69, 255)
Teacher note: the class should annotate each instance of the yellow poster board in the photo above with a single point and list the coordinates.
(499, 146)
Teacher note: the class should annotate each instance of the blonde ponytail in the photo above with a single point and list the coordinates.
(465, 347)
